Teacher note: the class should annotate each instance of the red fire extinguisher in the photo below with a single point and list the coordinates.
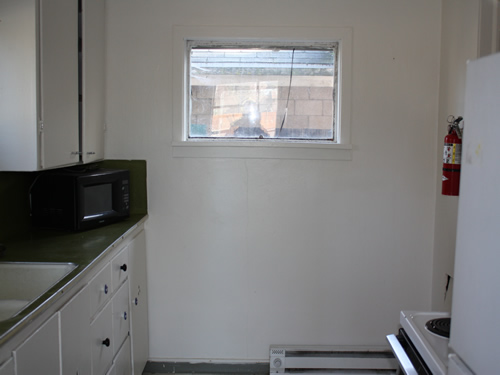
(452, 157)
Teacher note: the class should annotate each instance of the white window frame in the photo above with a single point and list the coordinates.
(271, 148)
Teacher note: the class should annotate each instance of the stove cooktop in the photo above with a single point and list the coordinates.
(432, 347)
(439, 326)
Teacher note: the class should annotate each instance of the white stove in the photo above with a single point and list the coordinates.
(418, 350)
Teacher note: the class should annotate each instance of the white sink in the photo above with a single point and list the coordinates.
(22, 283)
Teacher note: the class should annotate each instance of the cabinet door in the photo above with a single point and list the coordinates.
(139, 297)
(101, 340)
(18, 115)
(93, 80)
(58, 83)
(75, 335)
(40, 354)
(7, 368)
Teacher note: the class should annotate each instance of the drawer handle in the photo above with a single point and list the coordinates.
(106, 342)
(124, 268)
(105, 289)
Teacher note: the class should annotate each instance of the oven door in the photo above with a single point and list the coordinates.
(410, 361)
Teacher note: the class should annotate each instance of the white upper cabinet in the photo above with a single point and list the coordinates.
(40, 88)
(58, 82)
(93, 45)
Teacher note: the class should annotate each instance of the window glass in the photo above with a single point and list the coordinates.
(262, 92)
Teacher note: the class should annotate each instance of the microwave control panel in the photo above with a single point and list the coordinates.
(125, 194)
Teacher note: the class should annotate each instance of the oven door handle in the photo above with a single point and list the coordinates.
(401, 355)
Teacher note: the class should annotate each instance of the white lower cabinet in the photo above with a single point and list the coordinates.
(108, 331)
(75, 335)
(40, 354)
(91, 333)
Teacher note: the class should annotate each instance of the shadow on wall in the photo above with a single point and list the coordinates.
(14, 203)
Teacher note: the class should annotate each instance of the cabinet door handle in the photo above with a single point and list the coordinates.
(105, 289)
(136, 301)
(123, 268)
(106, 342)
(124, 315)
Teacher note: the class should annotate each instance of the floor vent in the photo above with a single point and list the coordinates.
(349, 360)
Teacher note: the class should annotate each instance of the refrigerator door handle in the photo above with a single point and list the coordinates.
(401, 355)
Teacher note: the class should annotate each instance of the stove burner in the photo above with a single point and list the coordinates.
(440, 327)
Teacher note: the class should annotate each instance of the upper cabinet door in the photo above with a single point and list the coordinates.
(18, 88)
(58, 83)
(93, 45)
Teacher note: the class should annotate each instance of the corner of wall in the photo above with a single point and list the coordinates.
(459, 43)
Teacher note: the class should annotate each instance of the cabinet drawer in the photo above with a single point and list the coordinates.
(101, 340)
(119, 268)
(122, 364)
(112, 370)
(121, 316)
(123, 360)
(100, 289)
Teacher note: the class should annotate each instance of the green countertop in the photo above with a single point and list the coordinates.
(82, 248)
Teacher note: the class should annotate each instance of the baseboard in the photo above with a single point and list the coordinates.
(261, 368)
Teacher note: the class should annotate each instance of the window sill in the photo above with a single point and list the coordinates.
(262, 150)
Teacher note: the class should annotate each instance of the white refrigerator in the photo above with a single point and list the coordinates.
(475, 316)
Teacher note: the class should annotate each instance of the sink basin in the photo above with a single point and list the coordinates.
(22, 283)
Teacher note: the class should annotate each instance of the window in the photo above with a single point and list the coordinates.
(256, 91)
(240, 93)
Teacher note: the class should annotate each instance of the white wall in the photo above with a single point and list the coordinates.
(247, 253)
(459, 41)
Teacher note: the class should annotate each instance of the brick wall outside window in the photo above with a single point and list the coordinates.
(215, 109)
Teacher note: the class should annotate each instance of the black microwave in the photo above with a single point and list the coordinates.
(80, 199)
